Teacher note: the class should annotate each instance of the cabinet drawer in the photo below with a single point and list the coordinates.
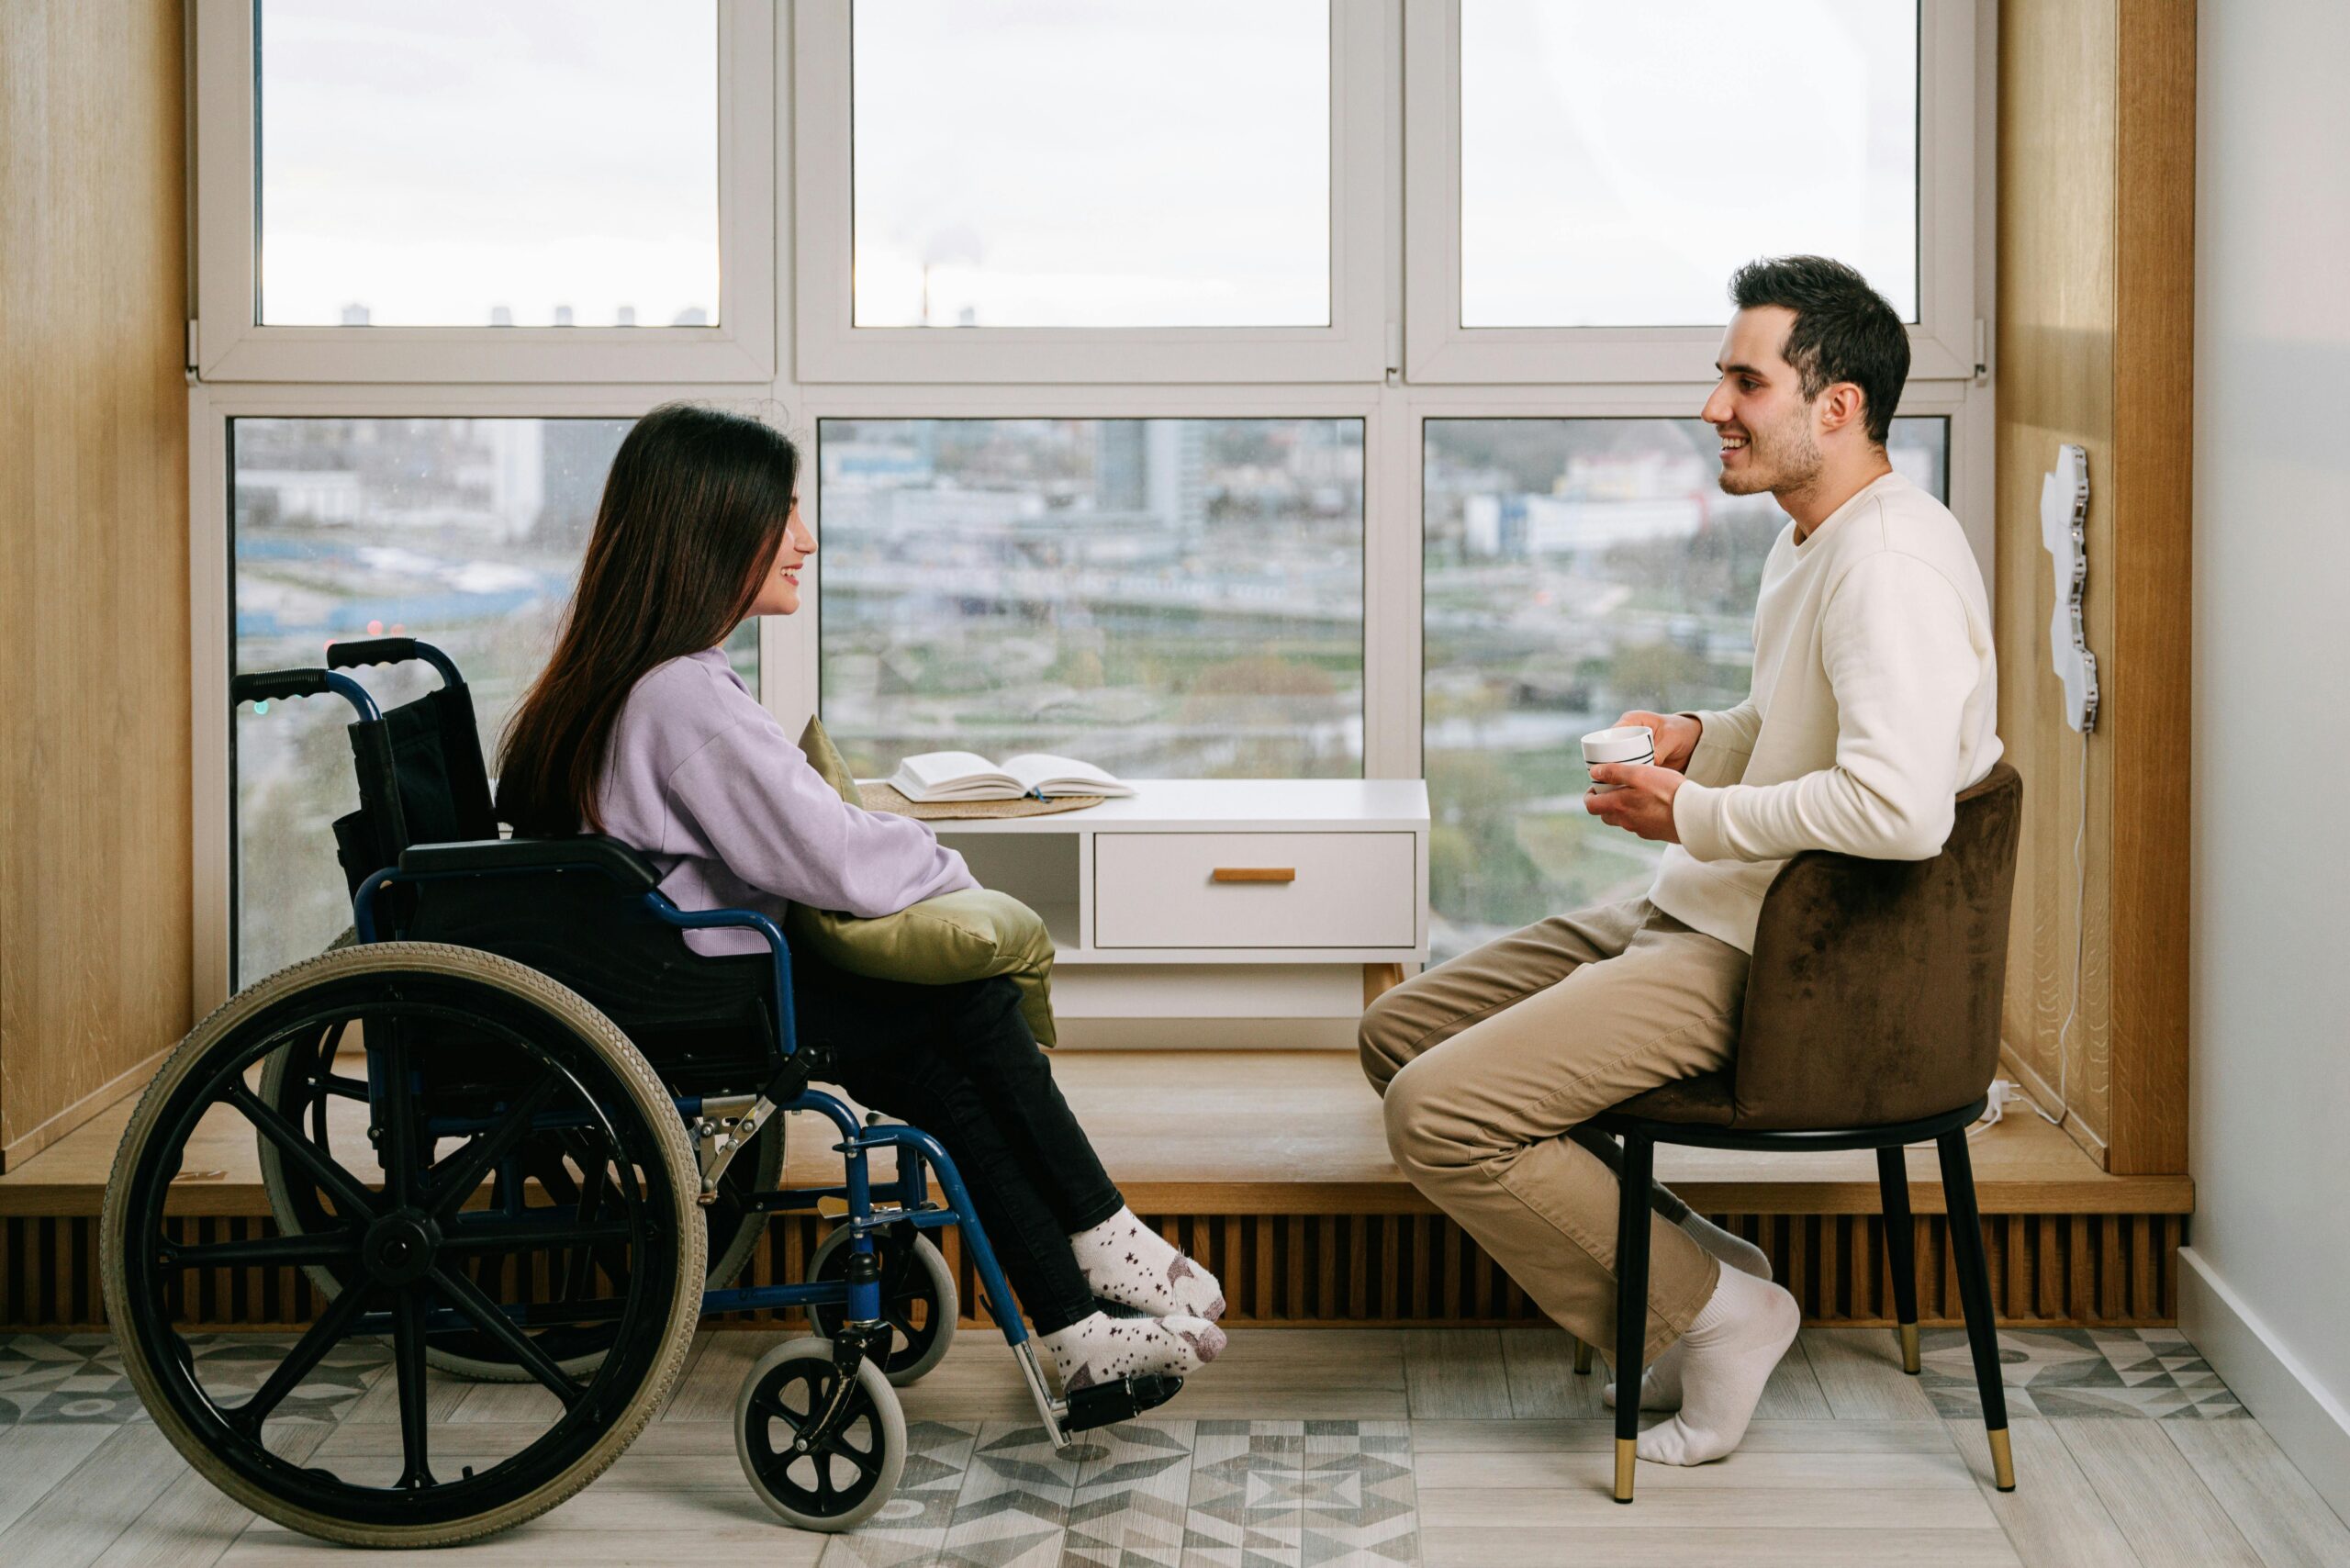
(1255, 890)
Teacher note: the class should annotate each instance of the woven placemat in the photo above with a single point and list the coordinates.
(883, 797)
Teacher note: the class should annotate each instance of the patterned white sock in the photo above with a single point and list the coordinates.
(1732, 1347)
(1127, 1262)
(1103, 1348)
(1661, 1379)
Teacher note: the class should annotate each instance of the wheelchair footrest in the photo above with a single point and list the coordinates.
(1105, 1403)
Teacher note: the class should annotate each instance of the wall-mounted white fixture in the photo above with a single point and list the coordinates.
(2063, 521)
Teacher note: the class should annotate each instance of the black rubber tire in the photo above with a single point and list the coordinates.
(623, 1395)
(921, 1276)
(873, 1413)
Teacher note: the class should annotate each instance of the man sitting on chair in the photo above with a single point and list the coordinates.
(1872, 707)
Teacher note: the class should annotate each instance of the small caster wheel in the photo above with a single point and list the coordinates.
(919, 1300)
(846, 1479)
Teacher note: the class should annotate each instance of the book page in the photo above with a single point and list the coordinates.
(1032, 769)
(933, 769)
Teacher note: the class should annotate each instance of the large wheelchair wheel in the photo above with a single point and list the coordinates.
(483, 1056)
(300, 1081)
(919, 1298)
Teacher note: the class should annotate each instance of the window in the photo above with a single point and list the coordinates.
(1170, 598)
(446, 163)
(1618, 161)
(1585, 176)
(1574, 570)
(464, 532)
(1054, 191)
(1289, 387)
(1059, 163)
(565, 191)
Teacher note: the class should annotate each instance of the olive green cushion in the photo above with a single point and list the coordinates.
(956, 936)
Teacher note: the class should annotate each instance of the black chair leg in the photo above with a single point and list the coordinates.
(1900, 1249)
(1975, 1294)
(1631, 1300)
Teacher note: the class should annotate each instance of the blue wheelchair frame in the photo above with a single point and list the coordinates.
(907, 1198)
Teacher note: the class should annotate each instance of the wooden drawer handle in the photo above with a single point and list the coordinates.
(1253, 874)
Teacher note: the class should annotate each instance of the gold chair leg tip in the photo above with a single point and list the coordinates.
(1909, 1362)
(1626, 1451)
(1582, 1358)
(2003, 1461)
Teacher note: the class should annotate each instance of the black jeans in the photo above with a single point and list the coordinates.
(958, 1061)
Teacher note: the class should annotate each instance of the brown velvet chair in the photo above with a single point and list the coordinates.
(1872, 1021)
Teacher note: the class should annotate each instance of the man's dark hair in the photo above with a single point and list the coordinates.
(1843, 330)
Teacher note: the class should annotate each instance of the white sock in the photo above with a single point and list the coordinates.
(1730, 1350)
(1103, 1348)
(1127, 1262)
(1661, 1379)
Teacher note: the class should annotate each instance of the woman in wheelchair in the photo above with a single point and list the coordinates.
(638, 729)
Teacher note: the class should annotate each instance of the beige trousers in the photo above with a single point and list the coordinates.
(1491, 1063)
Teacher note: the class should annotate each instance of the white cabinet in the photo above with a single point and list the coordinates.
(1220, 912)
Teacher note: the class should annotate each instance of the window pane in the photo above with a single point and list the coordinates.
(1070, 163)
(464, 532)
(1170, 598)
(1574, 570)
(449, 164)
(1618, 161)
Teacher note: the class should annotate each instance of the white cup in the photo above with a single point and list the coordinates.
(1626, 742)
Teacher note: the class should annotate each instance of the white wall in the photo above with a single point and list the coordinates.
(2267, 1287)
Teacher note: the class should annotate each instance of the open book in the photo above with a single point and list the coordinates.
(966, 776)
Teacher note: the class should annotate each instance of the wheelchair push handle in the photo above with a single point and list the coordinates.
(392, 651)
(271, 685)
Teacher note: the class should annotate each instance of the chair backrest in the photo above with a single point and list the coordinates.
(421, 780)
(1874, 992)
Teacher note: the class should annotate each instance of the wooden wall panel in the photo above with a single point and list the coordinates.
(93, 622)
(2095, 208)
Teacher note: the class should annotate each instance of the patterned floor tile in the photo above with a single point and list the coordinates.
(1014, 1508)
(1246, 1506)
(47, 1378)
(2144, 1372)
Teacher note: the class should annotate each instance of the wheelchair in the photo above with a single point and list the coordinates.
(513, 1124)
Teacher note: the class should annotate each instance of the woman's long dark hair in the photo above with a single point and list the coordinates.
(693, 512)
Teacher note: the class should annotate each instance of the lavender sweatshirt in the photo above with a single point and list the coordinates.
(704, 781)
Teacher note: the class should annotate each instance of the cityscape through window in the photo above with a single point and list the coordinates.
(466, 533)
(1574, 569)
(1169, 598)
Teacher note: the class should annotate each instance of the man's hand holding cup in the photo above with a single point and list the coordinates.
(1636, 767)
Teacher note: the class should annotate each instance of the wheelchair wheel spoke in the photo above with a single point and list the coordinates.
(307, 1351)
(455, 1177)
(502, 1236)
(402, 1149)
(323, 1247)
(407, 1366)
(486, 1316)
(356, 1201)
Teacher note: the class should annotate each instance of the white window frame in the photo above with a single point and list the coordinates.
(228, 342)
(1438, 349)
(1354, 346)
(343, 375)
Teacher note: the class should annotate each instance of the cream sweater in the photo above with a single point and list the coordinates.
(1874, 703)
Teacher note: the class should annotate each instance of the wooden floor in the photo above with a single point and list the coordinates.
(1485, 1451)
(1233, 1132)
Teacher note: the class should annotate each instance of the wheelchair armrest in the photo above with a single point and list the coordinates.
(506, 857)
